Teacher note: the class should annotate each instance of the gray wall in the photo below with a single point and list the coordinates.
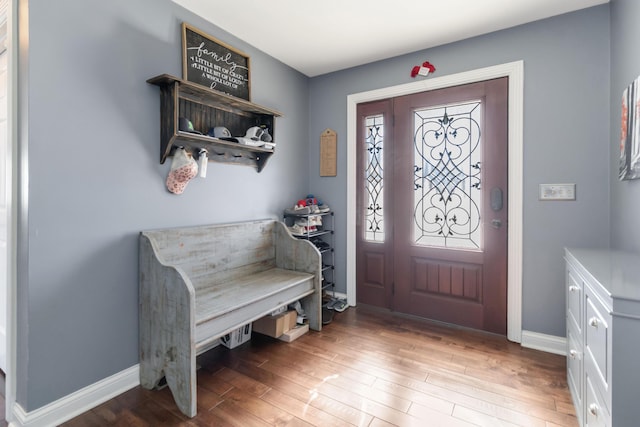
(95, 179)
(566, 132)
(625, 67)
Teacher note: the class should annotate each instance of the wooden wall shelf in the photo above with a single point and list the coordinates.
(207, 108)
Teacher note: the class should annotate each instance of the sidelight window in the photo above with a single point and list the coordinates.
(373, 179)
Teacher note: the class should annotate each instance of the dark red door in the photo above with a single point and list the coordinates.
(374, 222)
(444, 251)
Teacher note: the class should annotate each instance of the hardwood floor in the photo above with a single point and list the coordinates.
(366, 368)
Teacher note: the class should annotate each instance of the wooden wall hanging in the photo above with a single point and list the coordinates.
(328, 153)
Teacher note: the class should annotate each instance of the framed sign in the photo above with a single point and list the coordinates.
(209, 62)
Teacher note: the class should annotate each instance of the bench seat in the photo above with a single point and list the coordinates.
(220, 308)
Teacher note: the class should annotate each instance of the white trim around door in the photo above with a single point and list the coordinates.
(515, 72)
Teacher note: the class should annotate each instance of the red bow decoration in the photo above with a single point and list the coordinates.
(423, 69)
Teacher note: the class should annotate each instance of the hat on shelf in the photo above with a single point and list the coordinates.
(253, 136)
(254, 133)
(266, 137)
(219, 132)
(185, 125)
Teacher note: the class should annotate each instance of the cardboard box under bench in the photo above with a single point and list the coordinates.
(237, 337)
(294, 333)
(275, 326)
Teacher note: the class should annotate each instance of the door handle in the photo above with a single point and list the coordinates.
(496, 199)
(496, 223)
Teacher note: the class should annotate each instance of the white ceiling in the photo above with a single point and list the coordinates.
(318, 37)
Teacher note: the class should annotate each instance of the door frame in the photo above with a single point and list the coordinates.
(17, 184)
(515, 72)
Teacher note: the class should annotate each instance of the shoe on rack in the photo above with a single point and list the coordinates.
(297, 210)
(320, 244)
(300, 208)
(340, 305)
(324, 208)
(306, 225)
(332, 304)
(297, 230)
(315, 220)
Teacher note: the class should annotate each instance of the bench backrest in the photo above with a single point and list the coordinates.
(212, 254)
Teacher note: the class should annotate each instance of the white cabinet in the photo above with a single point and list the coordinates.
(603, 336)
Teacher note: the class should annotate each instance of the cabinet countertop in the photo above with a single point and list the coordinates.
(617, 271)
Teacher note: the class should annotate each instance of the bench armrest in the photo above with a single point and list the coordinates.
(301, 255)
(295, 254)
(167, 323)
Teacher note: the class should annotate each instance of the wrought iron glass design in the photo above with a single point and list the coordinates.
(373, 179)
(448, 176)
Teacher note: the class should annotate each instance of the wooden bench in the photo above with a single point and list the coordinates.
(200, 283)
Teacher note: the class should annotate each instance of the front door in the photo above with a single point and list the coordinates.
(436, 245)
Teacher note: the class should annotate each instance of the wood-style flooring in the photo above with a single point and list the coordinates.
(366, 368)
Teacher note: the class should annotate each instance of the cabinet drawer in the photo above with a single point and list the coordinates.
(574, 300)
(596, 413)
(597, 334)
(575, 364)
(597, 345)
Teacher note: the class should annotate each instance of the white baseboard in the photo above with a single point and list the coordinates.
(78, 402)
(543, 342)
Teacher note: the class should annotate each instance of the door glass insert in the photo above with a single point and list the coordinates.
(448, 176)
(373, 179)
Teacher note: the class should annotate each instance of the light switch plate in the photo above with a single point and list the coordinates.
(557, 192)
